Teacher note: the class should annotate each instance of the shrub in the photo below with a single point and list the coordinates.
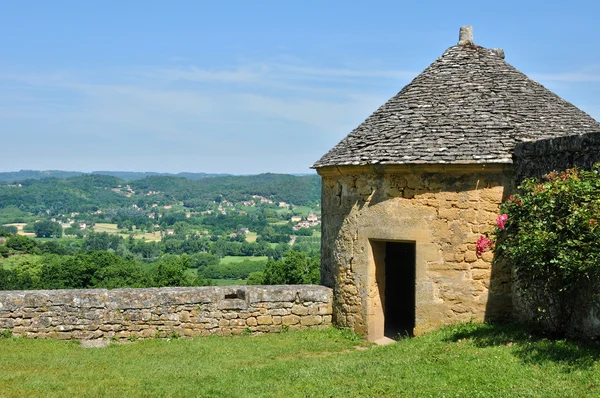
(256, 278)
(549, 234)
(294, 268)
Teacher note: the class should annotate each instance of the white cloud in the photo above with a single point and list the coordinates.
(187, 115)
(156, 96)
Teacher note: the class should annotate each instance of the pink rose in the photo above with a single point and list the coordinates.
(500, 220)
(483, 243)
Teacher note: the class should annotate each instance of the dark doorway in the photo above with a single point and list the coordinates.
(399, 307)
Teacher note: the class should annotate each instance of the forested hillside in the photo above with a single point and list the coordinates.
(12, 176)
(93, 191)
(74, 194)
(280, 187)
(94, 230)
(21, 175)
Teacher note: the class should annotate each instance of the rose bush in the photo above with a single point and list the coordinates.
(549, 235)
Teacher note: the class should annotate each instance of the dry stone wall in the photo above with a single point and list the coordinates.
(444, 211)
(163, 312)
(536, 158)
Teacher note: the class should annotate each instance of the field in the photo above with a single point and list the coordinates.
(239, 259)
(229, 282)
(105, 227)
(251, 237)
(112, 229)
(302, 210)
(20, 226)
(458, 361)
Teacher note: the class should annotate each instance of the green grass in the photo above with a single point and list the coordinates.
(459, 361)
(239, 259)
(193, 272)
(229, 282)
(303, 210)
(106, 227)
(251, 237)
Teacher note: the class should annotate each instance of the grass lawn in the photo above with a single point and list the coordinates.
(458, 361)
(239, 259)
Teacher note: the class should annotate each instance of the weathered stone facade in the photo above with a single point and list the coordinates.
(163, 312)
(444, 210)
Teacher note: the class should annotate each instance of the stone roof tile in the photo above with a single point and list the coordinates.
(469, 106)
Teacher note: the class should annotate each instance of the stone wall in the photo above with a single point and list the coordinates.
(163, 312)
(444, 210)
(537, 158)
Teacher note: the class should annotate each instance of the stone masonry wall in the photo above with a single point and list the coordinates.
(162, 312)
(444, 211)
(536, 158)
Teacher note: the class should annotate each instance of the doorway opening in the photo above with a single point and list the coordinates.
(396, 278)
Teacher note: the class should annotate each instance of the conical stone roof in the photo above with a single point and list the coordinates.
(469, 106)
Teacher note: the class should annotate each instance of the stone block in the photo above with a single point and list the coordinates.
(470, 257)
(237, 323)
(300, 309)
(311, 320)
(290, 320)
(264, 320)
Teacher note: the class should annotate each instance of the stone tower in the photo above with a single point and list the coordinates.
(408, 192)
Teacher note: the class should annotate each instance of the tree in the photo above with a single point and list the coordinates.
(21, 244)
(47, 229)
(256, 278)
(8, 230)
(294, 268)
(170, 271)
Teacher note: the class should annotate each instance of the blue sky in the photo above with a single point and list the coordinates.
(247, 87)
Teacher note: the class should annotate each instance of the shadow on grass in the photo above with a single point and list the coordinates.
(527, 345)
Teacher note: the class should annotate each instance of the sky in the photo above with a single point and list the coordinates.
(247, 87)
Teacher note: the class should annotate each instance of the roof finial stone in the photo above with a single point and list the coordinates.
(466, 36)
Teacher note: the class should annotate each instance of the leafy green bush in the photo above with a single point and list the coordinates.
(256, 278)
(236, 270)
(295, 268)
(549, 234)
